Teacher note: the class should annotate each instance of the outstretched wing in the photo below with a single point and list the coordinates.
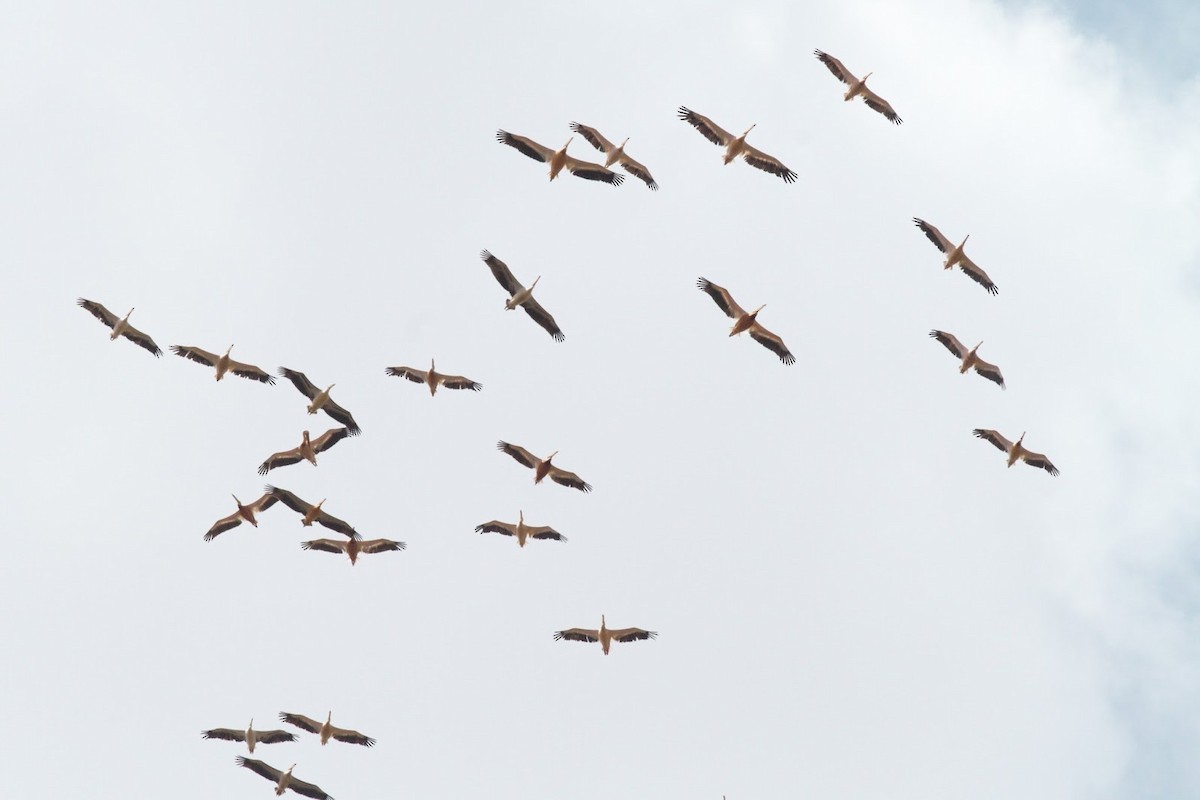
(300, 381)
(546, 532)
(496, 526)
(329, 438)
(522, 455)
(352, 737)
(577, 635)
(836, 67)
(302, 722)
(564, 478)
(307, 789)
(722, 298)
(459, 382)
(502, 272)
(527, 146)
(284, 459)
(98, 311)
(261, 767)
(772, 342)
(994, 437)
(934, 235)
(227, 734)
(593, 137)
(593, 172)
(412, 374)
(1040, 461)
(973, 272)
(708, 129)
(760, 160)
(950, 342)
(251, 372)
(195, 354)
(325, 546)
(381, 546)
(222, 525)
(341, 415)
(542, 317)
(632, 634)
(637, 170)
(989, 371)
(877, 103)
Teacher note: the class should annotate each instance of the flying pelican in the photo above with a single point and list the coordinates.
(120, 327)
(559, 159)
(606, 636)
(283, 779)
(306, 451)
(858, 86)
(326, 730)
(613, 153)
(433, 378)
(522, 296)
(955, 255)
(223, 363)
(244, 513)
(736, 145)
(1015, 450)
(542, 467)
(520, 530)
(311, 513)
(969, 358)
(352, 547)
(746, 322)
(320, 399)
(249, 736)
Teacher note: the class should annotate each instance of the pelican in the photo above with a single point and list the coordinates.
(352, 547)
(955, 255)
(120, 327)
(615, 154)
(858, 86)
(223, 363)
(736, 145)
(606, 636)
(969, 358)
(320, 399)
(311, 513)
(559, 159)
(542, 467)
(326, 730)
(520, 530)
(433, 379)
(244, 513)
(249, 736)
(746, 322)
(1016, 452)
(522, 296)
(306, 451)
(283, 779)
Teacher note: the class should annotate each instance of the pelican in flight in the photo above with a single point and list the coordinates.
(522, 296)
(244, 513)
(283, 779)
(310, 513)
(120, 327)
(559, 159)
(320, 399)
(969, 358)
(520, 530)
(1016, 452)
(352, 547)
(858, 86)
(249, 736)
(615, 154)
(736, 145)
(605, 636)
(955, 255)
(746, 322)
(326, 730)
(543, 468)
(433, 379)
(223, 363)
(306, 451)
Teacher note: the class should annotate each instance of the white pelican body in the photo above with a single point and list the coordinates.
(520, 530)
(223, 363)
(249, 736)
(306, 451)
(244, 513)
(746, 321)
(521, 296)
(615, 154)
(956, 256)
(283, 779)
(557, 159)
(543, 468)
(120, 327)
(858, 86)
(327, 730)
(352, 547)
(433, 379)
(736, 145)
(969, 358)
(310, 513)
(605, 635)
(319, 400)
(1015, 450)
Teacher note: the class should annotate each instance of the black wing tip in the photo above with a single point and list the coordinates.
(685, 113)
(788, 359)
(979, 433)
(559, 336)
(992, 290)
(485, 254)
(264, 468)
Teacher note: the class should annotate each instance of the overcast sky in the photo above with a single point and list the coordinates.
(854, 597)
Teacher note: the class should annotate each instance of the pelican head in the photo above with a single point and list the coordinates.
(251, 725)
(521, 515)
(288, 771)
(239, 502)
(976, 347)
(565, 146)
(754, 313)
(622, 145)
(602, 623)
(552, 455)
(964, 241)
(752, 127)
(535, 280)
(318, 505)
(431, 365)
(1022, 437)
(227, 349)
(128, 313)
(864, 77)
(330, 387)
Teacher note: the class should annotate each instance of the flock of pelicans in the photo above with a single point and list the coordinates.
(520, 296)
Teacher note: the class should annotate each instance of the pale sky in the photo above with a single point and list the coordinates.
(854, 597)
